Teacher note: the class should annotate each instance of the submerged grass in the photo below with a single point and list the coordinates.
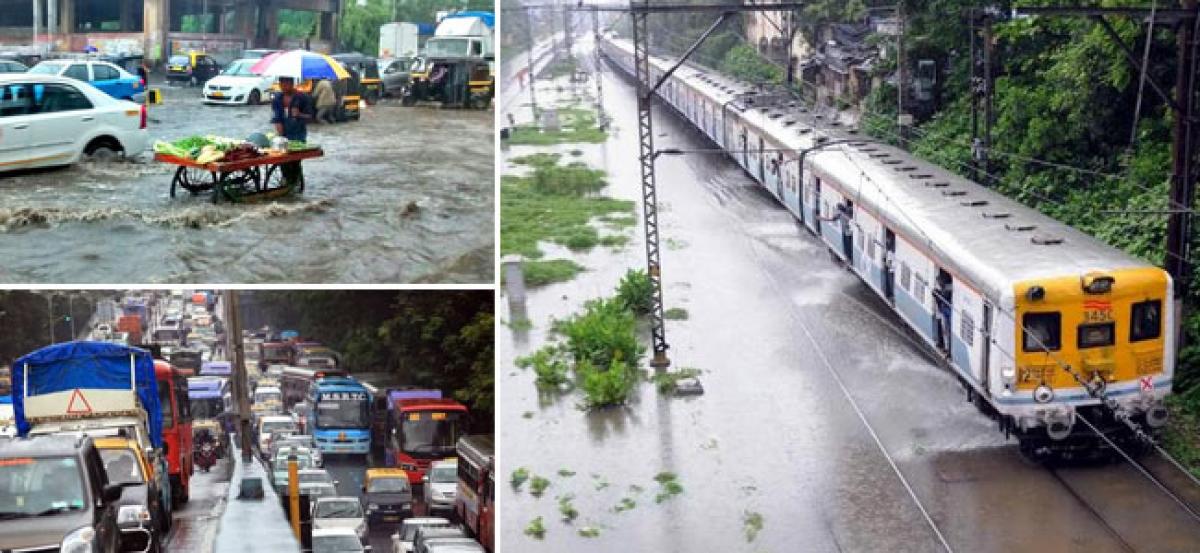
(541, 272)
(536, 208)
(576, 125)
(536, 529)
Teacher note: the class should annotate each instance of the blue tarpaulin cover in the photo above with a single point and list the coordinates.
(488, 18)
(426, 29)
(87, 365)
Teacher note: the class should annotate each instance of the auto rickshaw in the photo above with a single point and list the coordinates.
(213, 428)
(350, 92)
(369, 82)
(454, 82)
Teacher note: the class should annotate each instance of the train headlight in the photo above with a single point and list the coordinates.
(1043, 394)
(1009, 375)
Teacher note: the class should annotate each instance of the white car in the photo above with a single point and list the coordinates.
(402, 541)
(270, 424)
(237, 85)
(441, 485)
(47, 120)
(340, 512)
(335, 540)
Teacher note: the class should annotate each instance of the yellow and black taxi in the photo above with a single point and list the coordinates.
(388, 495)
(141, 516)
(193, 68)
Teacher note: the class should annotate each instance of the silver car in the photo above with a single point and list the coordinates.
(441, 485)
(394, 73)
(340, 512)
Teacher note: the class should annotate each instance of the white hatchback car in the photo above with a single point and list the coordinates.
(340, 512)
(47, 120)
(237, 85)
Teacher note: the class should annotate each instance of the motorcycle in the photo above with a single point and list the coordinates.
(206, 457)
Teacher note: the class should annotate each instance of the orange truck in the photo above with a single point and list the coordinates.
(133, 325)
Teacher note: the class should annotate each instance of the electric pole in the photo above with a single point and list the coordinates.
(241, 391)
(903, 119)
(37, 22)
(982, 91)
(529, 67)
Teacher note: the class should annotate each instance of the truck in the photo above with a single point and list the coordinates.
(462, 36)
(97, 388)
(399, 40)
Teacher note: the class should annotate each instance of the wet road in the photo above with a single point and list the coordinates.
(195, 523)
(778, 329)
(404, 195)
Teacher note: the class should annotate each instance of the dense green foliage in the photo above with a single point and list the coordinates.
(25, 319)
(636, 292)
(442, 339)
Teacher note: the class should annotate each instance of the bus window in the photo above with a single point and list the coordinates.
(1146, 321)
(1043, 331)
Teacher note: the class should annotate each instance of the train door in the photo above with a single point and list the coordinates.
(745, 147)
(762, 162)
(943, 310)
(799, 195)
(889, 271)
(986, 333)
(816, 206)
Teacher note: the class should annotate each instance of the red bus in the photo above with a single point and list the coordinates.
(475, 502)
(422, 428)
(177, 428)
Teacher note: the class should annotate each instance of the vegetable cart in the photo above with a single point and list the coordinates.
(244, 180)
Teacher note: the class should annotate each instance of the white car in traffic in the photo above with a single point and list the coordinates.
(237, 85)
(48, 120)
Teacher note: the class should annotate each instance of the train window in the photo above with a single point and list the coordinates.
(919, 287)
(905, 275)
(1146, 321)
(1043, 331)
(871, 249)
(967, 332)
(1096, 335)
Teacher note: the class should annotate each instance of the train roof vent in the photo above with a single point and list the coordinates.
(974, 203)
(996, 214)
(868, 149)
(791, 104)
(858, 144)
(1046, 239)
(906, 168)
(878, 154)
(954, 193)
(921, 176)
(891, 161)
(822, 139)
(789, 122)
(835, 123)
(776, 115)
(1020, 227)
(852, 131)
(818, 116)
(803, 130)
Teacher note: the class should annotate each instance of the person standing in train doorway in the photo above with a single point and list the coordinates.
(943, 294)
(843, 214)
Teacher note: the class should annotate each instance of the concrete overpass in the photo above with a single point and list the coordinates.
(159, 28)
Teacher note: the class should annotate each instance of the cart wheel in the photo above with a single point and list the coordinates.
(195, 180)
(177, 180)
(274, 178)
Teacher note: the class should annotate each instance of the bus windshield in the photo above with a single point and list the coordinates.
(431, 434)
(343, 410)
(274, 353)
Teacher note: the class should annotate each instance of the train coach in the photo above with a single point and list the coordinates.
(1043, 324)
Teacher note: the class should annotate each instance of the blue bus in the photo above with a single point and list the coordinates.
(341, 415)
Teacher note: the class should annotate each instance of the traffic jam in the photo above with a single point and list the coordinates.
(105, 440)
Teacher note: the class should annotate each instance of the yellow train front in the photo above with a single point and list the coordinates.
(1109, 331)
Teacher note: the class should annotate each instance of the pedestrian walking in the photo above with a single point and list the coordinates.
(326, 100)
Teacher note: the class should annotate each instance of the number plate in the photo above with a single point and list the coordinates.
(218, 95)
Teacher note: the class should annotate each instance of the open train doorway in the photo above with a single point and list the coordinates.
(943, 299)
(889, 265)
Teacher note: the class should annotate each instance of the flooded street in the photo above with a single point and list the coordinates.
(404, 195)
(823, 426)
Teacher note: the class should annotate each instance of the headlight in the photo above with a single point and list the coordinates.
(133, 514)
(1043, 394)
(406, 506)
(79, 541)
(372, 506)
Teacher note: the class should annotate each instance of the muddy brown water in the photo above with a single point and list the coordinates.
(404, 195)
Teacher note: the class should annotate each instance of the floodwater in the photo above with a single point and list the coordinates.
(812, 391)
(404, 195)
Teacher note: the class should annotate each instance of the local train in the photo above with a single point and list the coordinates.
(1024, 309)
